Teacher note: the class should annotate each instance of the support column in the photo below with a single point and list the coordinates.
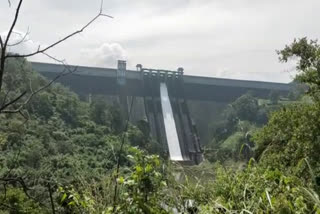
(184, 131)
(121, 82)
(197, 154)
(155, 111)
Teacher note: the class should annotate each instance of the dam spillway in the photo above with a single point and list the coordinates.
(169, 124)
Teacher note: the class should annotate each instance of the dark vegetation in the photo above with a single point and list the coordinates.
(64, 141)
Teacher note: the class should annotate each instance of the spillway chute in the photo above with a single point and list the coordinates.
(169, 125)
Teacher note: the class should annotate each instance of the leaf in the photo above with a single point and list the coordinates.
(268, 196)
(246, 211)
(71, 203)
(130, 157)
(163, 183)
(149, 168)
(138, 169)
(121, 180)
(63, 197)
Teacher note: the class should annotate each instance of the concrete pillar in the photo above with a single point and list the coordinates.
(121, 82)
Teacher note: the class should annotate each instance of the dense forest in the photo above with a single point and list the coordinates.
(60, 154)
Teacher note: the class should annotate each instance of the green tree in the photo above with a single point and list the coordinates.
(293, 131)
(290, 139)
(307, 54)
(246, 107)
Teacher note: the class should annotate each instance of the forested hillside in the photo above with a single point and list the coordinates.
(63, 155)
(57, 139)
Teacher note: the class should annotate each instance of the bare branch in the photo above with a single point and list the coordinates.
(30, 85)
(26, 117)
(1, 42)
(12, 101)
(20, 41)
(65, 38)
(105, 15)
(101, 6)
(13, 23)
(63, 62)
(5, 97)
(68, 69)
(4, 46)
(14, 180)
(115, 196)
(9, 2)
(51, 199)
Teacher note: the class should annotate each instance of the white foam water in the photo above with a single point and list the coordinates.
(169, 124)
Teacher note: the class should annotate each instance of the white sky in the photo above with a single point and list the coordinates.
(219, 38)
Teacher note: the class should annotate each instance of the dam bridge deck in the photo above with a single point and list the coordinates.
(93, 80)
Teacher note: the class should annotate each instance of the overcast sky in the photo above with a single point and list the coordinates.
(219, 38)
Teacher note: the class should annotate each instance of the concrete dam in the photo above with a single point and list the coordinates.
(165, 96)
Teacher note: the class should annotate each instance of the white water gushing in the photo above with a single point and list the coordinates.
(169, 124)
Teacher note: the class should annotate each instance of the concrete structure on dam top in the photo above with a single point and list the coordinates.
(145, 83)
(104, 81)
